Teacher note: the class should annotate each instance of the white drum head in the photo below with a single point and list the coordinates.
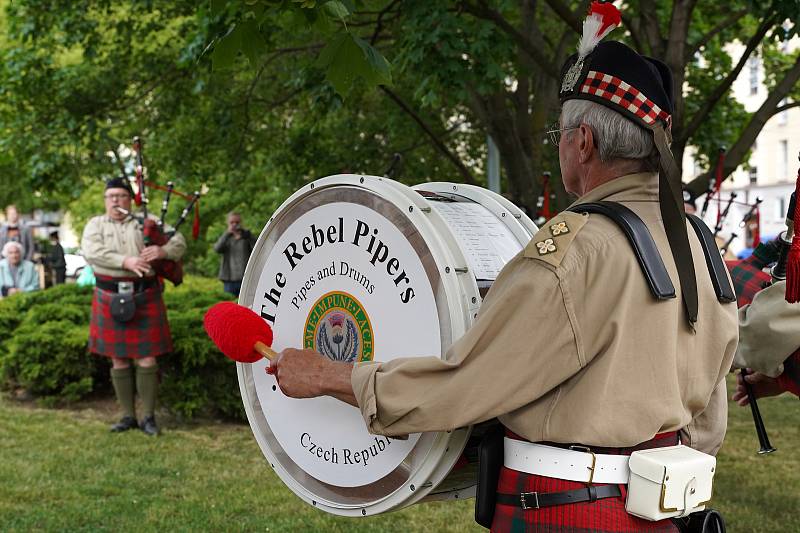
(343, 268)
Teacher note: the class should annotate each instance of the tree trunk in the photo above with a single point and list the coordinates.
(735, 155)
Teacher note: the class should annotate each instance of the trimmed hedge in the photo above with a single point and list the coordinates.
(43, 341)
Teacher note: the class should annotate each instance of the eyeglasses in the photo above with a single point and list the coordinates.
(117, 196)
(554, 133)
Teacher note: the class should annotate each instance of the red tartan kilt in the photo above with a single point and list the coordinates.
(145, 335)
(602, 516)
(606, 515)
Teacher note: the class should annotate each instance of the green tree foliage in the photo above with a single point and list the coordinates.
(254, 98)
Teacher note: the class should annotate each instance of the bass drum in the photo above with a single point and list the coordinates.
(362, 268)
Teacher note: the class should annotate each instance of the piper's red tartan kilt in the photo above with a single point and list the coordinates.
(145, 335)
(602, 516)
(749, 278)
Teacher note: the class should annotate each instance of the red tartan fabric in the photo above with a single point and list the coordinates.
(790, 383)
(748, 278)
(624, 95)
(602, 516)
(146, 335)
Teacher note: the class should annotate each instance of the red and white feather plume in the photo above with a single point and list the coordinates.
(603, 17)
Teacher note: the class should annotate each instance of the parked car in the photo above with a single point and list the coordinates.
(75, 263)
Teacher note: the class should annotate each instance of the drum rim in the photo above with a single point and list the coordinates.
(445, 443)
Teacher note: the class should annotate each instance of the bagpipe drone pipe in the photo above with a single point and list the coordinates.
(155, 230)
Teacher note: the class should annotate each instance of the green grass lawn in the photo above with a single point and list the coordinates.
(61, 470)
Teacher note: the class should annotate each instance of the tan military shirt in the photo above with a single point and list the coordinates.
(769, 331)
(570, 346)
(107, 242)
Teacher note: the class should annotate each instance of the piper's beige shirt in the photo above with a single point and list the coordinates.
(570, 346)
(107, 242)
(769, 331)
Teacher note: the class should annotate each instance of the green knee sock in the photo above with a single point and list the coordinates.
(147, 387)
(122, 379)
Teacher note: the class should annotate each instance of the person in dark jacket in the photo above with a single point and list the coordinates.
(235, 246)
(56, 260)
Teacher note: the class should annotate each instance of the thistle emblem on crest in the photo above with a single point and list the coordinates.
(338, 327)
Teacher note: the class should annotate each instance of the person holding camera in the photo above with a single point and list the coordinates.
(235, 246)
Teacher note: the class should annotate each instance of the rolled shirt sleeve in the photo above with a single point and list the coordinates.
(175, 247)
(491, 370)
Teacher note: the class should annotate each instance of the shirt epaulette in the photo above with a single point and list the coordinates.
(551, 242)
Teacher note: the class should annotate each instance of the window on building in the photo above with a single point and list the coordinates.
(754, 64)
(781, 208)
(783, 161)
(753, 174)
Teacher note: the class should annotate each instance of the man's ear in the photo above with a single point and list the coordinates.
(586, 146)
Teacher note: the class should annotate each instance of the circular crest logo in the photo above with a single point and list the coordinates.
(338, 327)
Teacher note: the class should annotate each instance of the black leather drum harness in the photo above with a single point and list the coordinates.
(644, 248)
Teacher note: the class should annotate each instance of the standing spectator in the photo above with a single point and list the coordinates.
(129, 320)
(56, 260)
(235, 246)
(15, 230)
(16, 273)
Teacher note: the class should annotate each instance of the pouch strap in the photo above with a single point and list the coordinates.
(538, 500)
(644, 247)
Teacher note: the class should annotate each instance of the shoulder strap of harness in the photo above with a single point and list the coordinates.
(714, 262)
(640, 240)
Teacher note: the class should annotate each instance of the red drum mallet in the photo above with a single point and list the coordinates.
(239, 332)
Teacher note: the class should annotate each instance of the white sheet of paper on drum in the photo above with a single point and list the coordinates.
(486, 241)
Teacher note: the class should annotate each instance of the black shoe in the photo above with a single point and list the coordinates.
(125, 423)
(149, 426)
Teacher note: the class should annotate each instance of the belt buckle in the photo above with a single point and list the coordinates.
(125, 287)
(524, 503)
(586, 449)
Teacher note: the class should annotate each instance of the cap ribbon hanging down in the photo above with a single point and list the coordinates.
(640, 88)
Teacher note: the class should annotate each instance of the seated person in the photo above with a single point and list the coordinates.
(16, 274)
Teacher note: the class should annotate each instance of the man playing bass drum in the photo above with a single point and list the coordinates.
(578, 354)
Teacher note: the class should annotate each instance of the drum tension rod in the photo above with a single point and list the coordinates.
(461, 270)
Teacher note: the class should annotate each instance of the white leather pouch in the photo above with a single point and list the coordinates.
(669, 482)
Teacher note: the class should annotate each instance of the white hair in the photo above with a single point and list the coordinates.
(616, 137)
(12, 244)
